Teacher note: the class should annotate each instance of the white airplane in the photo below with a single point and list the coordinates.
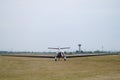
(60, 53)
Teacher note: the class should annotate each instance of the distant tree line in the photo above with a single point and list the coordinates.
(97, 51)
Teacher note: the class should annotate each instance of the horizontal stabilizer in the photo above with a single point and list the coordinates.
(52, 48)
(65, 48)
(60, 48)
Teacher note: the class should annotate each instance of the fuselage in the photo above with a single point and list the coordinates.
(60, 53)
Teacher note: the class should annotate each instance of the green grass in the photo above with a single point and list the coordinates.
(83, 68)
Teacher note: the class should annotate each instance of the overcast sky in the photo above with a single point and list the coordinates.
(35, 25)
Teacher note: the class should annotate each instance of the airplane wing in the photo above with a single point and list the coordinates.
(53, 56)
(32, 56)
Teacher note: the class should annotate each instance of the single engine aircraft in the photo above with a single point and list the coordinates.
(60, 53)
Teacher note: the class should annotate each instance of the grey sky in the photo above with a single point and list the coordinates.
(34, 25)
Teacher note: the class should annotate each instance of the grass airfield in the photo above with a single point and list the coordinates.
(82, 68)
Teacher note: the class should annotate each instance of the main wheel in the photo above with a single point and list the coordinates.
(55, 59)
(64, 59)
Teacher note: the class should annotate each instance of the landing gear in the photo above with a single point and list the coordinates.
(58, 59)
(55, 58)
(64, 58)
